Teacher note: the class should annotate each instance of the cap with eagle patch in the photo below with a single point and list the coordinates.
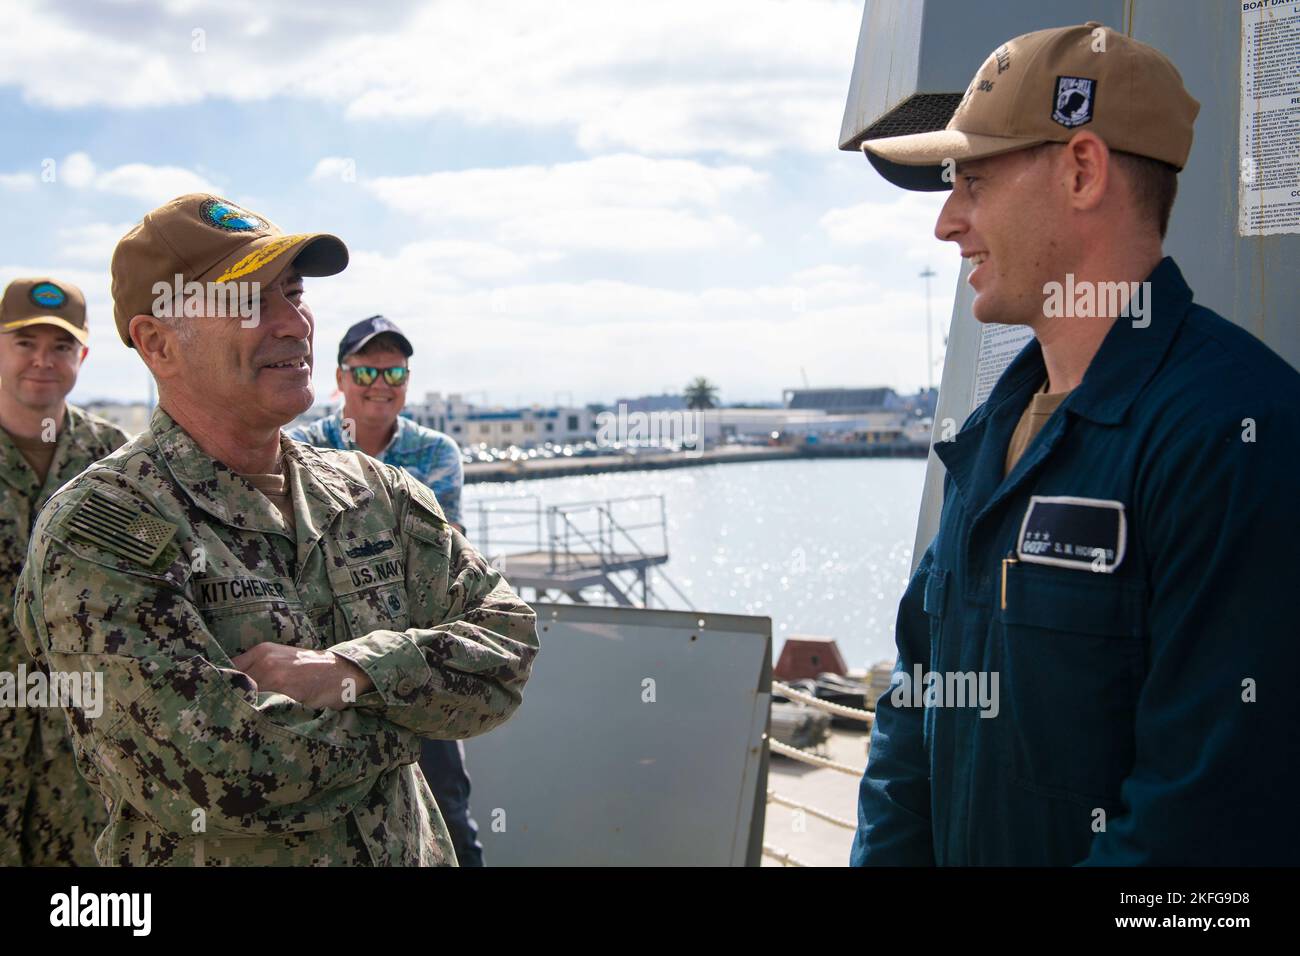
(205, 238)
(44, 301)
(1044, 87)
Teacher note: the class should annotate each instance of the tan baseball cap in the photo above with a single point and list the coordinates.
(44, 301)
(205, 238)
(1044, 87)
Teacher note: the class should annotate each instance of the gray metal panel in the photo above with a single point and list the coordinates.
(586, 773)
(885, 66)
(935, 46)
(1253, 281)
(952, 408)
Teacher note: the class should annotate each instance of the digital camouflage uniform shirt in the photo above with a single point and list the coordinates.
(159, 565)
(48, 815)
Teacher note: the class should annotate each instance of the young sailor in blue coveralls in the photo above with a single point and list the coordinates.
(1118, 542)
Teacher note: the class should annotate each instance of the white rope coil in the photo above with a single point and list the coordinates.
(777, 853)
(775, 797)
(785, 690)
(795, 753)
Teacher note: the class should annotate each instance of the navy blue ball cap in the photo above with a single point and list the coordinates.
(365, 330)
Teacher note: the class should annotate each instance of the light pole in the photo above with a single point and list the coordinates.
(929, 337)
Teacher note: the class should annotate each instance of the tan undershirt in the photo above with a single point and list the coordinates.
(38, 454)
(1037, 412)
(276, 488)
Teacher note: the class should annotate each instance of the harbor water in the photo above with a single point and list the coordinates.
(822, 547)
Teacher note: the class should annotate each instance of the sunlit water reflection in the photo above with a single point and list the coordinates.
(821, 547)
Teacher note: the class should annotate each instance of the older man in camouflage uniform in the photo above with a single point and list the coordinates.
(277, 625)
(48, 815)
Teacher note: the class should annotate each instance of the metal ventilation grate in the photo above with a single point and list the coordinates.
(919, 113)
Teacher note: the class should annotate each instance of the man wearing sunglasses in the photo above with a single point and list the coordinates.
(372, 375)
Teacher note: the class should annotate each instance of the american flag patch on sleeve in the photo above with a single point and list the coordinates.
(121, 529)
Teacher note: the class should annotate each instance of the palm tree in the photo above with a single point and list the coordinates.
(701, 393)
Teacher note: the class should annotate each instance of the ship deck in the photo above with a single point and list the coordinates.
(806, 838)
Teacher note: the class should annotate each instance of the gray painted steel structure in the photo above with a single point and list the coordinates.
(588, 773)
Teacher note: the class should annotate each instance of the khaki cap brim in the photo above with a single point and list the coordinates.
(80, 334)
(915, 161)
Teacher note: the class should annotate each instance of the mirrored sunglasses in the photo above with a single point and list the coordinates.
(365, 375)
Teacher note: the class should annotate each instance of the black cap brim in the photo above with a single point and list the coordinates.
(926, 179)
(322, 255)
(403, 344)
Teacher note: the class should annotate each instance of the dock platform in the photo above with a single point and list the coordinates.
(570, 572)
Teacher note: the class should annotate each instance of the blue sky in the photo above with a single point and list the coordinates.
(592, 199)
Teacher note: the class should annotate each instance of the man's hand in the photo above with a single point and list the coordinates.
(317, 679)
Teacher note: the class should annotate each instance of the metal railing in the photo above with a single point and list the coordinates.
(594, 525)
(582, 535)
(494, 518)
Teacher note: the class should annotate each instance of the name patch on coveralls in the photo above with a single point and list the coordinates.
(1087, 534)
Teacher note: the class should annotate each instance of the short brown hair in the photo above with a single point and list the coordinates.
(1154, 185)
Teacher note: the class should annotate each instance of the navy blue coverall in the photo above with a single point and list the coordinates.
(1132, 583)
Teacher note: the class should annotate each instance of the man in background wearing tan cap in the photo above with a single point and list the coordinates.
(278, 625)
(1117, 539)
(48, 814)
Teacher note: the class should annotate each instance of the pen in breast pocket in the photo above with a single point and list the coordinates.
(1008, 560)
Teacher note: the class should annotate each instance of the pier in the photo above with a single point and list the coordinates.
(649, 461)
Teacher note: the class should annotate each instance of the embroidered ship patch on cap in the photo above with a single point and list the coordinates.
(47, 295)
(228, 216)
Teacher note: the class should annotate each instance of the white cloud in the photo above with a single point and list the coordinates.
(623, 202)
(90, 243)
(152, 184)
(506, 279)
(331, 168)
(425, 268)
(604, 338)
(743, 77)
(912, 213)
(77, 170)
(17, 181)
(905, 225)
(829, 273)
